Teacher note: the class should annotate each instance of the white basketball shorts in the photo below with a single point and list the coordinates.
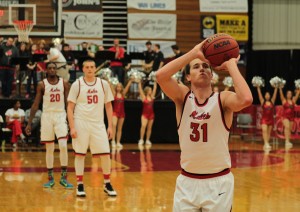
(53, 123)
(211, 194)
(91, 135)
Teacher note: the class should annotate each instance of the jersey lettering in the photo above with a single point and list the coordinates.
(54, 97)
(195, 134)
(92, 99)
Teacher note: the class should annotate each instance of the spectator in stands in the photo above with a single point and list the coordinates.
(68, 54)
(41, 66)
(54, 55)
(116, 65)
(118, 112)
(21, 73)
(288, 103)
(147, 96)
(32, 73)
(176, 51)
(14, 120)
(23, 52)
(158, 60)
(7, 69)
(84, 47)
(149, 58)
(35, 125)
(267, 121)
(100, 62)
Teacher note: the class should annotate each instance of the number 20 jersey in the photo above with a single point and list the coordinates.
(203, 136)
(53, 98)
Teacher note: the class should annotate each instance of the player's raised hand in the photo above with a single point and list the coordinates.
(198, 51)
(224, 66)
(73, 133)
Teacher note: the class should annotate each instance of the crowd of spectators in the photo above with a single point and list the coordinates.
(15, 73)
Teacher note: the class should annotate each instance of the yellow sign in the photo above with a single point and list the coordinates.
(208, 22)
(234, 25)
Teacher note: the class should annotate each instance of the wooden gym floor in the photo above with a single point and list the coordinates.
(145, 179)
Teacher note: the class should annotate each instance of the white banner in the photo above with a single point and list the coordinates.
(230, 6)
(83, 24)
(152, 4)
(152, 26)
(140, 46)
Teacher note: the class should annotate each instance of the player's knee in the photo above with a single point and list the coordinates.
(63, 144)
(50, 148)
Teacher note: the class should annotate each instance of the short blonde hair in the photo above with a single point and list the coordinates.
(88, 61)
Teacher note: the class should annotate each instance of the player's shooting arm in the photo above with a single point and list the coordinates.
(242, 97)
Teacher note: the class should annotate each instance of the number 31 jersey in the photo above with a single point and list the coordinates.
(203, 136)
(53, 98)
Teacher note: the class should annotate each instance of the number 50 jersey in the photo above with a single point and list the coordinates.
(90, 99)
(203, 136)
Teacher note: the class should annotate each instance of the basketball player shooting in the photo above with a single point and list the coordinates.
(204, 119)
(54, 91)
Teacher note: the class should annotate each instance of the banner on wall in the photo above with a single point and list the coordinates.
(91, 5)
(152, 4)
(7, 3)
(230, 6)
(234, 25)
(83, 24)
(152, 26)
(208, 25)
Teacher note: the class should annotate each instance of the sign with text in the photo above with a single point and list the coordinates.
(230, 6)
(152, 26)
(83, 24)
(234, 25)
(91, 5)
(152, 4)
(208, 26)
(7, 3)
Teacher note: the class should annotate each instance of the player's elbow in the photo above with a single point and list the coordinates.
(247, 100)
(159, 76)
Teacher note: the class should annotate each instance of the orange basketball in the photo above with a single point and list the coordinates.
(219, 48)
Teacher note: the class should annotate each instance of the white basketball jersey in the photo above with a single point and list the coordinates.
(203, 136)
(90, 101)
(54, 98)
